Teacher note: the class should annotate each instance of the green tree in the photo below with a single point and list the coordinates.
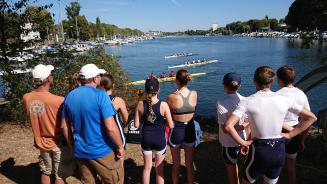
(99, 27)
(307, 15)
(41, 20)
(13, 17)
(73, 10)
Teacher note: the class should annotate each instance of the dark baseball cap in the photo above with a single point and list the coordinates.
(230, 78)
(152, 85)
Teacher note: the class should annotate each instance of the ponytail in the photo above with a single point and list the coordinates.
(150, 111)
(183, 76)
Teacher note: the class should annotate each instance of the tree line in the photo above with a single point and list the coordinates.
(77, 26)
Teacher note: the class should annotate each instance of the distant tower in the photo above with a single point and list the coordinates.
(214, 27)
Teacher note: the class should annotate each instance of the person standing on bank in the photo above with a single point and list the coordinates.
(266, 111)
(225, 107)
(182, 103)
(42, 109)
(108, 84)
(286, 77)
(154, 113)
(97, 143)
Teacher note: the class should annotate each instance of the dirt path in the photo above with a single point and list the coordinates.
(19, 159)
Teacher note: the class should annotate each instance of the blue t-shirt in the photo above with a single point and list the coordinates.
(87, 108)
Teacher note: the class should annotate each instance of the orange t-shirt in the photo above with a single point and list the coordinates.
(42, 110)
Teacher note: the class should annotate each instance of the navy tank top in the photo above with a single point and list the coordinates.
(158, 122)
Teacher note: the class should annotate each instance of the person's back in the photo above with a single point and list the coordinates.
(286, 76)
(42, 111)
(226, 107)
(95, 133)
(266, 111)
(298, 97)
(91, 138)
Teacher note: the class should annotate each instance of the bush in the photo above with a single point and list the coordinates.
(65, 65)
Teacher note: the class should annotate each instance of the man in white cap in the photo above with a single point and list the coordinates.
(42, 111)
(97, 143)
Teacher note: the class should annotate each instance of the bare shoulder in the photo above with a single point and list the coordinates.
(119, 100)
(164, 104)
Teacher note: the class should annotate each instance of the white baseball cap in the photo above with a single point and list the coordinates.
(41, 71)
(90, 70)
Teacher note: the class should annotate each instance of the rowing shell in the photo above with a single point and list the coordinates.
(166, 79)
(193, 64)
(176, 56)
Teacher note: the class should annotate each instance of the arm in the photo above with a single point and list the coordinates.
(307, 118)
(67, 132)
(114, 135)
(123, 110)
(287, 127)
(138, 114)
(231, 122)
(167, 115)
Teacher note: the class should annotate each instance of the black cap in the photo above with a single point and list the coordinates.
(230, 78)
(152, 85)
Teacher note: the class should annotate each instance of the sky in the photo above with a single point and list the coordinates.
(172, 15)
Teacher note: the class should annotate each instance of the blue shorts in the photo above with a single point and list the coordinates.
(266, 158)
(182, 134)
(153, 140)
(230, 154)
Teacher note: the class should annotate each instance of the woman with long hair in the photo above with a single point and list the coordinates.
(182, 103)
(153, 112)
(107, 83)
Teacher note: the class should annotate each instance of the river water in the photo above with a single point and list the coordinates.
(235, 54)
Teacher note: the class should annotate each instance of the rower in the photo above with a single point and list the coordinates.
(163, 75)
(172, 74)
(152, 75)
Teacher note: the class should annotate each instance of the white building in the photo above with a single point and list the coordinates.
(214, 27)
(29, 33)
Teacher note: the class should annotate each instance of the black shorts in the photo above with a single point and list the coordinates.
(266, 158)
(230, 154)
(293, 147)
(182, 134)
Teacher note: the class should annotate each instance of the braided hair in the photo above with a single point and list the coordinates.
(151, 88)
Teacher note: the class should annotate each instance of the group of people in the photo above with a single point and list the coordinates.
(162, 75)
(88, 124)
(265, 126)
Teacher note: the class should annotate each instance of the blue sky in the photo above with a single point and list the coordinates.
(173, 15)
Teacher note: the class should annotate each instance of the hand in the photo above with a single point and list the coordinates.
(247, 143)
(244, 150)
(120, 152)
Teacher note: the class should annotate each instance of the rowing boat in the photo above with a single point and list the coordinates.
(166, 79)
(193, 64)
(178, 55)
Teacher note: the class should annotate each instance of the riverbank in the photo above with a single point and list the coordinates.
(19, 158)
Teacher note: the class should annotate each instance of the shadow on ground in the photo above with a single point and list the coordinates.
(21, 174)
